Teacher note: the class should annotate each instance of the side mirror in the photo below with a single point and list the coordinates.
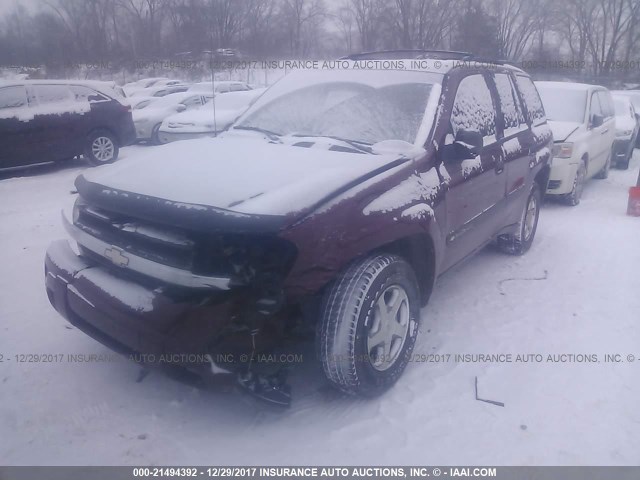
(597, 121)
(181, 108)
(467, 144)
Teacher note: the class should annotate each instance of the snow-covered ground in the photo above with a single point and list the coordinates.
(576, 292)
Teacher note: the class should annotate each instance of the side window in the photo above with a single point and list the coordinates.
(50, 94)
(238, 87)
(86, 94)
(191, 102)
(512, 117)
(222, 89)
(473, 108)
(13, 97)
(596, 108)
(531, 98)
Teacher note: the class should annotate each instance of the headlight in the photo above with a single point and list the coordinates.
(623, 133)
(562, 150)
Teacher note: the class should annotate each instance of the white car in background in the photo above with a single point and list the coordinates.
(582, 119)
(634, 97)
(149, 114)
(133, 87)
(160, 91)
(626, 131)
(220, 87)
(209, 119)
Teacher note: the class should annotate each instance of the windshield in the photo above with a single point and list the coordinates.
(563, 104)
(385, 106)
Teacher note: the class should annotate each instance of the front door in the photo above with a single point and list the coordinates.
(477, 186)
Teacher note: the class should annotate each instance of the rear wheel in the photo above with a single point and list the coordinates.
(574, 197)
(155, 138)
(369, 324)
(520, 242)
(101, 148)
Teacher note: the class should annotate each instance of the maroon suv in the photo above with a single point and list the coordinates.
(339, 196)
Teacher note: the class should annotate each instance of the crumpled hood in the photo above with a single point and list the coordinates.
(563, 130)
(239, 174)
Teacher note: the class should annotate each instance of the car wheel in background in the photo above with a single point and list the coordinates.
(604, 173)
(368, 325)
(101, 148)
(520, 242)
(155, 139)
(574, 197)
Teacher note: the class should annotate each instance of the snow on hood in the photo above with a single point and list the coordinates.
(563, 130)
(201, 119)
(241, 173)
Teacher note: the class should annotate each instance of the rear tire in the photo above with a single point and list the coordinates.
(368, 325)
(101, 148)
(520, 242)
(575, 196)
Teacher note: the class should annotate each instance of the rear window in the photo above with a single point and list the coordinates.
(13, 97)
(531, 99)
(86, 94)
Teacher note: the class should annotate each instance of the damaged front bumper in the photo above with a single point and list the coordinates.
(197, 333)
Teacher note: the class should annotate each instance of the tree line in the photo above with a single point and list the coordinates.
(599, 36)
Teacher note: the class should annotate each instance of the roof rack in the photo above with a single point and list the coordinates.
(409, 53)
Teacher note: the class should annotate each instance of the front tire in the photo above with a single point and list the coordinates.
(575, 196)
(101, 148)
(368, 325)
(520, 242)
(604, 173)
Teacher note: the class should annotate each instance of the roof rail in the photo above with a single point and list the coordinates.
(408, 53)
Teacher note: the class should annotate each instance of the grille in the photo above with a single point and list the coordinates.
(156, 243)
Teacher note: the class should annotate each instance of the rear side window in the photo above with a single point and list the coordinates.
(512, 116)
(238, 87)
(86, 94)
(473, 108)
(13, 97)
(531, 99)
(48, 94)
(606, 104)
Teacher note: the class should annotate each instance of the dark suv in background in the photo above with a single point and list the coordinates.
(338, 197)
(51, 120)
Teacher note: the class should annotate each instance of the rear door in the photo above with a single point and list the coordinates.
(56, 120)
(516, 141)
(15, 128)
(475, 199)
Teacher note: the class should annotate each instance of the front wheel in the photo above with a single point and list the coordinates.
(101, 148)
(573, 198)
(369, 324)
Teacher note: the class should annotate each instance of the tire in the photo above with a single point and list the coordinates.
(604, 173)
(155, 139)
(351, 323)
(574, 197)
(520, 242)
(101, 148)
(624, 165)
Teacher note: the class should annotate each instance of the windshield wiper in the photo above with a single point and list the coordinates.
(355, 144)
(272, 135)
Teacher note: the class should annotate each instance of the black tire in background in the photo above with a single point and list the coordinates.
(375, 300)
(101, 148)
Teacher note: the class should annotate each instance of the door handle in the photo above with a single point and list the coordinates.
(499, 169)
(604, 131)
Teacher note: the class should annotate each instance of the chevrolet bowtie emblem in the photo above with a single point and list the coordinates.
(116, 256)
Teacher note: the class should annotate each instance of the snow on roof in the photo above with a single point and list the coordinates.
(568, 85)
